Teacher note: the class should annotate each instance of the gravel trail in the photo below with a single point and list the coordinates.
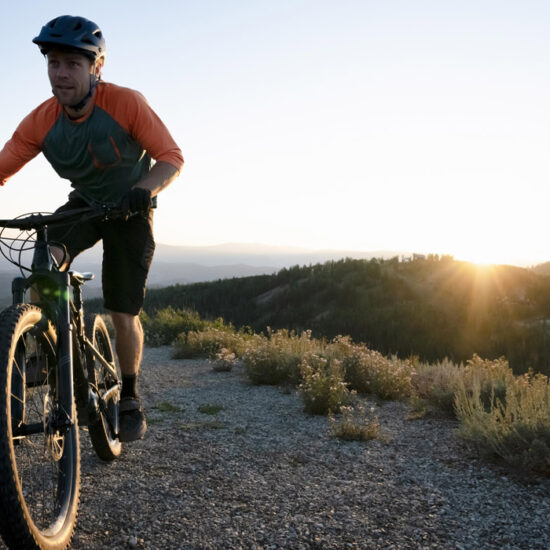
(261, 474)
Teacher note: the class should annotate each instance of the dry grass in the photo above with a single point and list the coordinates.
(357, 423)
(515, 427)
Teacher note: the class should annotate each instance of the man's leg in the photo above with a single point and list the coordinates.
(129, 346)
(128, 248)
(128, 342)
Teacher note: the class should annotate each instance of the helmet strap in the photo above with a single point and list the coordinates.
(85, 99)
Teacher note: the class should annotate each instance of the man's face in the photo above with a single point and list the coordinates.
(69, 75)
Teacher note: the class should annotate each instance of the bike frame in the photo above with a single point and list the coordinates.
(67, 314)
(58, 372)
(53, 290)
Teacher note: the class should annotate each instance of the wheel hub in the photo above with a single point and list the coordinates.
(54, 440)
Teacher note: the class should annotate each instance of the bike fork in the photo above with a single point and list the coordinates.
(65, 382)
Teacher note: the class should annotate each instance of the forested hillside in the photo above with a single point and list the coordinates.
(431, 307)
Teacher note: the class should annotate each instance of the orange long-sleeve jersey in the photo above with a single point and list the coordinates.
(103, 154)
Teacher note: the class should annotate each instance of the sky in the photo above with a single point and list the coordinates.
(358, 125)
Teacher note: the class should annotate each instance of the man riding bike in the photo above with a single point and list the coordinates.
(101, 137)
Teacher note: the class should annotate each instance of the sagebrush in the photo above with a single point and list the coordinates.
(499, 412)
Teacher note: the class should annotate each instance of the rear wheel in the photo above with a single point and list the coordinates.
(39, 453)
(106, 387)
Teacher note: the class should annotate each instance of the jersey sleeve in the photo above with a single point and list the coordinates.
(133, 111)
(26, 141)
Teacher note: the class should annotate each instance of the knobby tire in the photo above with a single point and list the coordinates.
(104, 431)
(39, 473)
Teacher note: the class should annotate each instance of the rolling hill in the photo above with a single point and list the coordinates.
(189, 264)
(433, 308)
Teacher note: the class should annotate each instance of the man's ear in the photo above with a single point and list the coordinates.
(99, 66)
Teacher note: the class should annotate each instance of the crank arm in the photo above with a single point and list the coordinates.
(28, 429)
(98, 404)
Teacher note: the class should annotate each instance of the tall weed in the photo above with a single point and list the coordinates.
(516, 428)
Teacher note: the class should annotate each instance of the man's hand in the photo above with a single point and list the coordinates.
(138, 199)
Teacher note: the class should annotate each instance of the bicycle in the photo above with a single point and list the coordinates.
(57, 369)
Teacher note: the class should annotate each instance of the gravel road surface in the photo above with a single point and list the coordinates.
(253, 471)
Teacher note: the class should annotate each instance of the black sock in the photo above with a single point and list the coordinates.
(129, 386)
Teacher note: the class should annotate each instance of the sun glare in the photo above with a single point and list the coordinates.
(481, 261)
(486, 259)
(480, 251)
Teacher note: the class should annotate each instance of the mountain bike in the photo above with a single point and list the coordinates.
(57, 370)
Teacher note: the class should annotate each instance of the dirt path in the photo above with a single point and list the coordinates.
(260, 473)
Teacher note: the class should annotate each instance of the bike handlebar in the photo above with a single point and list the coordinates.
(38, 221)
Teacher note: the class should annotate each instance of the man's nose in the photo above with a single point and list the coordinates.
(62, 70)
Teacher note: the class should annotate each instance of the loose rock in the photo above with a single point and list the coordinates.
(261, 473)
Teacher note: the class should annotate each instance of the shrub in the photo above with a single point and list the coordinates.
(224, 361)
(323, 387)
(436, 384)
(419, 407)
(368, 371)
(517, 428)
(341, 347)
(166, 324)
(275, 359)
(208, 343)
(355, 424)
(490, 375)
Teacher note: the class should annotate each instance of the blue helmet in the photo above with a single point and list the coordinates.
(72, 33)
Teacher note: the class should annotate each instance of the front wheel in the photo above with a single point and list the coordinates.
(105, 384)
(39, 451)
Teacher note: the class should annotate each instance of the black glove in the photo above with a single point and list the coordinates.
(137, 199)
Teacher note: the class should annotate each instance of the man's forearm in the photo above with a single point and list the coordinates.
(161, 176)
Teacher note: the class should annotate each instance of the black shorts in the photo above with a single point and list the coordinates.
(128, 248)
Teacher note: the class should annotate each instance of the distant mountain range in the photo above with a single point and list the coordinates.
(258, 255)
(191, 264)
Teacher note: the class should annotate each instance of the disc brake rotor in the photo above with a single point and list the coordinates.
(54, 440)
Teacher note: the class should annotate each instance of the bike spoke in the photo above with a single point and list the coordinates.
(38, 471)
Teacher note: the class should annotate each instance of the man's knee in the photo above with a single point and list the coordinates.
(126, 323)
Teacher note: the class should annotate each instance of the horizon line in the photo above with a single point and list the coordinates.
(388, 253)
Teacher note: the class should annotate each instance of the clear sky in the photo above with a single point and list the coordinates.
(419, 126)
